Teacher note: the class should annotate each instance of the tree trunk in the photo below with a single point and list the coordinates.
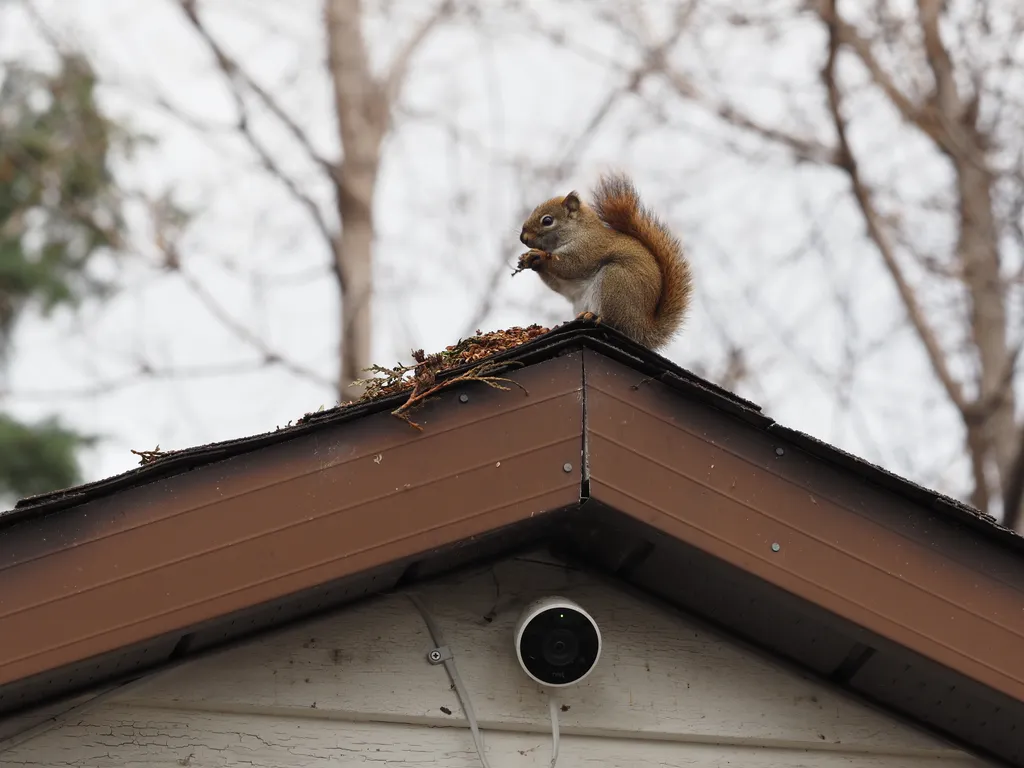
(978, 249)
(362, 112)
(353, 257)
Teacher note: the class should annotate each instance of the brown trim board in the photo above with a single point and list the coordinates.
(818, 532)
(184, 549)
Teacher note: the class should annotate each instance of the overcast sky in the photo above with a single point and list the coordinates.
(487, 102)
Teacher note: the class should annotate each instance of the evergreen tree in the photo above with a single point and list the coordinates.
(60, 208)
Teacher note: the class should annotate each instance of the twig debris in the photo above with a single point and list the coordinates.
(420, 379)
(149, 457)
(422, 384)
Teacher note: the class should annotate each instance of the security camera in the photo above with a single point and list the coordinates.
(557, 642)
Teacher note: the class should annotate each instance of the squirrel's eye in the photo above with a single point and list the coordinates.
(547, 221)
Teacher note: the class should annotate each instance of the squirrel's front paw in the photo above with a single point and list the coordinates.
(532, 258)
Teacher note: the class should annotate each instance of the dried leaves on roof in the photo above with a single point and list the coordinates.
(419, 378)
(391, 381)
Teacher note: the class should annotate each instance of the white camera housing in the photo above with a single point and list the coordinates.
(557, 642)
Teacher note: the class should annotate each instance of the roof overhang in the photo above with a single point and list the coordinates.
(613, 456)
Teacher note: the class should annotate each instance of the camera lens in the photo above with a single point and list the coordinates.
(559, 646)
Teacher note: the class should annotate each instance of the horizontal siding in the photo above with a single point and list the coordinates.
(120, 737)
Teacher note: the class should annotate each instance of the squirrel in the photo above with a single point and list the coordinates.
(615, 261)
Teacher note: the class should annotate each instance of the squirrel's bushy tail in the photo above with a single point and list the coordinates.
(618, 204)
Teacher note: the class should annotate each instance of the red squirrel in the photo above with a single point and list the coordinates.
(614, 260)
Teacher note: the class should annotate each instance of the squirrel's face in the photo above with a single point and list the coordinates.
(551, 222)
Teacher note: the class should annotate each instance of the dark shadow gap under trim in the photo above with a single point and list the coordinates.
(857, 657)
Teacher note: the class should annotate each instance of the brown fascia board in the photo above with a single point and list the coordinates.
(342, 500)
(900, 571)
(228, 528)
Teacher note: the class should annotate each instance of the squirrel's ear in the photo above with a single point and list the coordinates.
(571, 203)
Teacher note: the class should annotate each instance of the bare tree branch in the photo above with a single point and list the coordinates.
(848, 163)
(234, 73)
(989, 416)
(805, 149)
(977, 245)
(363, 106)
(935, 124)
(396, 76)
(848, 35)
(948, 100)
(242, 332)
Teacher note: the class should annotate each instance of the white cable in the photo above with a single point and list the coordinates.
(554, 729)
(453, 674)
(463, 693)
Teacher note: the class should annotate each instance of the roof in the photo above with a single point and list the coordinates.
(611, 454)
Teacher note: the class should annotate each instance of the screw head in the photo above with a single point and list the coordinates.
(463, 398)
(776, 547)
(435, 655)
(779, 451)
(567, 467)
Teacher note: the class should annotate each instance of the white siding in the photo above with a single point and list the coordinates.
(355, 689)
